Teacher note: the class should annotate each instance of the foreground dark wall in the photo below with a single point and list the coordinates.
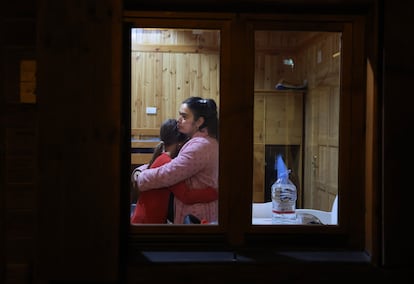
(61, 158)
(397, 118)
(18, 145)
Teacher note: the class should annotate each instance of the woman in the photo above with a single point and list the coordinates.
(152, 206)
(196, 163)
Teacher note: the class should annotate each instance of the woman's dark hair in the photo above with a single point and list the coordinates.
(206, 108)
(169, 135)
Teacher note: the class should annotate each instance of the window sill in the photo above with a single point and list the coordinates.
(351, 257)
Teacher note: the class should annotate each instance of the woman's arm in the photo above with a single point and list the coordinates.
(193, 158)
(158, 159)
(191, 196)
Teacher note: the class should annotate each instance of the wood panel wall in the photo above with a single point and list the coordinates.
(322, 61)
(271, 49)
(169, 66)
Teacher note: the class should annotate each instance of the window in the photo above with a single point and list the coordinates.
(340, 118)
(167, 66)
(296, 121)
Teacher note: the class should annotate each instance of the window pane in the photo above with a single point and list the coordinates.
(296, 127)
(167, 67)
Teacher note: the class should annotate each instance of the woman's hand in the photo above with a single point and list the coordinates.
(134, 177)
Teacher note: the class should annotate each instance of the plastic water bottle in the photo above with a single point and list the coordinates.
(284, 197)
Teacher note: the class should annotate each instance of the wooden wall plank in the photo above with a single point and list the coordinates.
(163, 79)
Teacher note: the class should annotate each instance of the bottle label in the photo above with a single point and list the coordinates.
(283, 212)
(283, 199)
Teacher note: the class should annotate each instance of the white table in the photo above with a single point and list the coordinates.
(302, 218)
(268, 221)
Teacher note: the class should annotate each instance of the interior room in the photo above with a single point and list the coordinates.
(296, 91)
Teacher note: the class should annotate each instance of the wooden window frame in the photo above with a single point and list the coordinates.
(235, 231)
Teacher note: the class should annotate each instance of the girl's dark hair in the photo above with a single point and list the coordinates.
(206, 108)
(169, 135)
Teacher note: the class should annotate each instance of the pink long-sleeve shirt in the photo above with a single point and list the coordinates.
(197, 163)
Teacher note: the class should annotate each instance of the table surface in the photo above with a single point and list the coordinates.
(301, 219)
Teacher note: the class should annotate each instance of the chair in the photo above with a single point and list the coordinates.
(264, 210)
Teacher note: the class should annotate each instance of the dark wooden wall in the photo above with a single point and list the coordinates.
(18, 150)
(85, 182)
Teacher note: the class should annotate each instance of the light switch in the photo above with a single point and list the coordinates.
(151, 110)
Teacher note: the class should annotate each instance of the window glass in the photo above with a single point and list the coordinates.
(296, 127)
(169, 65)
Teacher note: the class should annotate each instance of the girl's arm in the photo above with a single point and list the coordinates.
(191, 196)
